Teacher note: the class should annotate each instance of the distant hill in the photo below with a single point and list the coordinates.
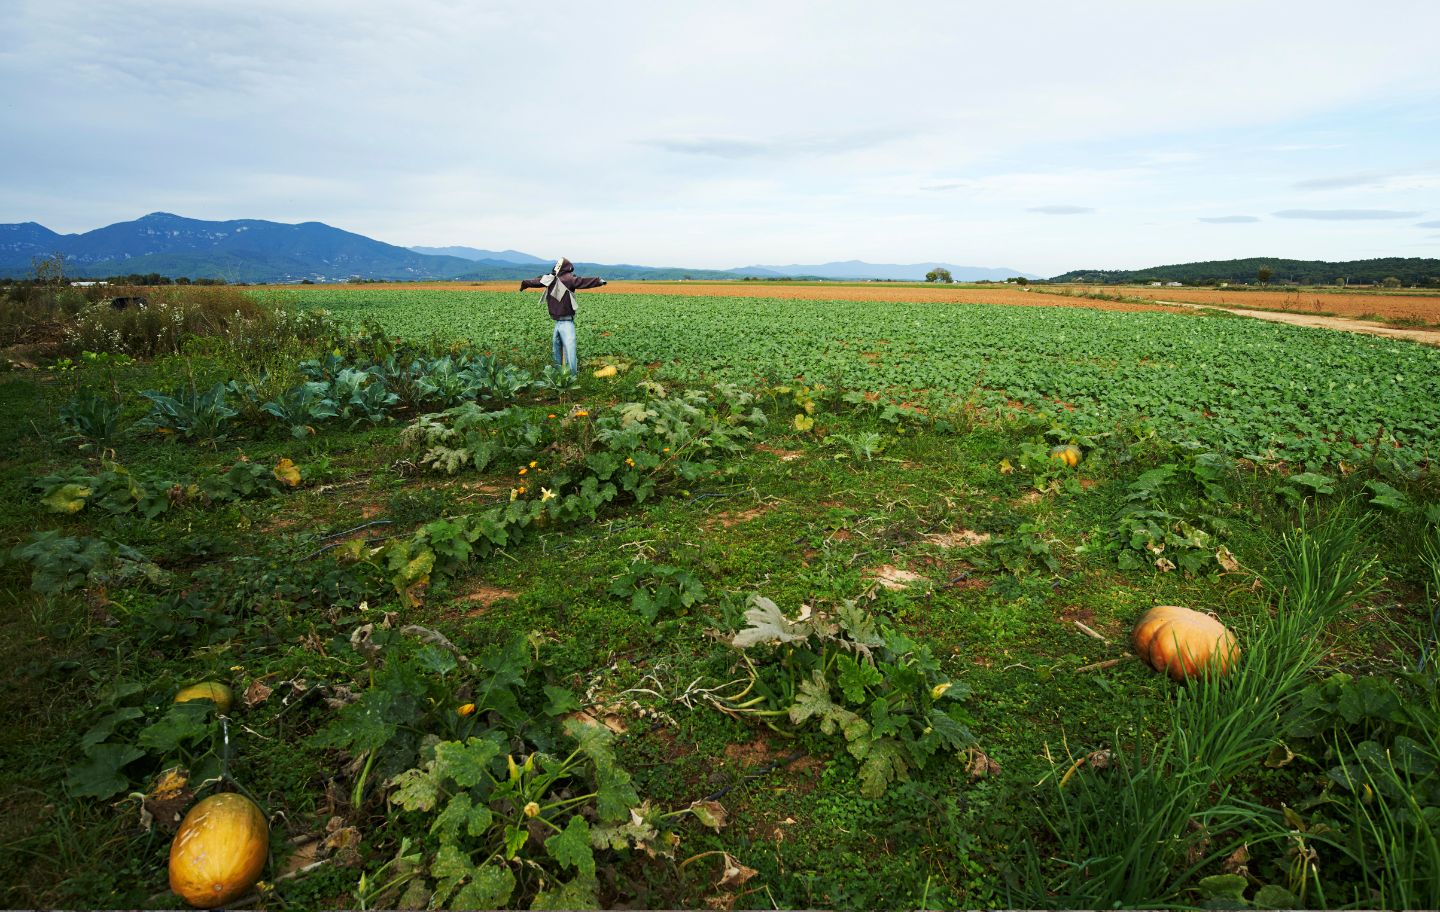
(253, 250)
(1410, 271)
(858, 269)
(484, 256)
(244, 250)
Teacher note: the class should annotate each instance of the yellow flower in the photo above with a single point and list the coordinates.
(938, 690)
(523, 470)
(551, 415)
(465, 710)
(532, 810)
(629, 461)
(582, 414)
(666, 450)
(546, 494)
(532, 463)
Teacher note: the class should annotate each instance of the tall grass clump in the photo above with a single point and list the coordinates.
(164, 320)
(1138, 828)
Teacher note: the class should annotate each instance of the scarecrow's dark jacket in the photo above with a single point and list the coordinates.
(564, 307)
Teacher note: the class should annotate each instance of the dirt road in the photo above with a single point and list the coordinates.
(1423, 336)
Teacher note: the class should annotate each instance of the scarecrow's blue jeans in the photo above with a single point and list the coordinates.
(562, 344)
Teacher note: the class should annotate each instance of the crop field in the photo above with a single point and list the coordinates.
(800, 602)
(891, 292)
(1226, 383)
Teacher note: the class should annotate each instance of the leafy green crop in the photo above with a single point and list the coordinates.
(1236, 386)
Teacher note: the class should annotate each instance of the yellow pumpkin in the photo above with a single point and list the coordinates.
(606, 371)
(1068, 454)
(219, 850)
(216, 693)
(1183, 643)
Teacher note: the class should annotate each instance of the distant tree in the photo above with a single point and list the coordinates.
(1340, 281)
(1265, 274)
(1390, 282)
(1021, 280)
(939, 274)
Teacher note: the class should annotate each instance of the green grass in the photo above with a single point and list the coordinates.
(788, 520)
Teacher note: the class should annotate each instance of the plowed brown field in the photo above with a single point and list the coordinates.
(1415, 306)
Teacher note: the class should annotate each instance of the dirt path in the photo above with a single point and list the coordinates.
(1423, 336)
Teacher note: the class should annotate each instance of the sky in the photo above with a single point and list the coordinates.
(1042, 136)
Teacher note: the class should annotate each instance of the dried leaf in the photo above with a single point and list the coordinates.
(711, 814)
(257, 692)
(167, 798)
(1227, 561)
(767, 624)
(735, 874)
(286, 473)
(1280, 755)
(1164, 565)
(1238, 861)
(978, 764)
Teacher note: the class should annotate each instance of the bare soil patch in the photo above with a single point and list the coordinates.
(959, 538)
(892, 577)
(479, 596)
(731, 519)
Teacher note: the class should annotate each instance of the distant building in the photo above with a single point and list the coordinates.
(86, 284)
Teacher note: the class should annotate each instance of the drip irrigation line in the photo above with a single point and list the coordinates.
(758, 774)
(319, 551)
(373, 522)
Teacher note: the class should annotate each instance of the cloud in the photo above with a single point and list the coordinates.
(1344, 215)
(1061, 210)
(1229, 219)
(1422, 177)
(1434, 224)
(739, 148)
(1343, 181)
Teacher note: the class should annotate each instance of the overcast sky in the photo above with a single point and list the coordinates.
(1043, 135)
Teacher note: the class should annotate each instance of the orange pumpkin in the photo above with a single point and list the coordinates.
(1068, 454)
(1183, 643)
(219, 850)
(218, 694)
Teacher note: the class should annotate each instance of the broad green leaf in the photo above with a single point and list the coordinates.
(883, 763)
(461, 812)
(417, 790)
(560, 700)
(451, 863)
(101, 776)
(571, 847)
(855, 677)
(580, 893)
(106, 726)
(69, 498)
(490, 887)
(182, 724)
(468, 763)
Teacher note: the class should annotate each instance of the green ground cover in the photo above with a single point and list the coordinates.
(964, 599)
(1234, 385)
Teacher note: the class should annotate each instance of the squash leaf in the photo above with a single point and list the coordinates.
(101, 776)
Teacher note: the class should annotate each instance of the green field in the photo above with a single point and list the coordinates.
(1234, 385)
(794, 611)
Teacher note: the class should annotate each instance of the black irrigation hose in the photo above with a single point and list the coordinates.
(761, 772)
(373, 522)
(320, 551)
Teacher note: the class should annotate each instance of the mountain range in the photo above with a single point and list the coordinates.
(253, 250)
